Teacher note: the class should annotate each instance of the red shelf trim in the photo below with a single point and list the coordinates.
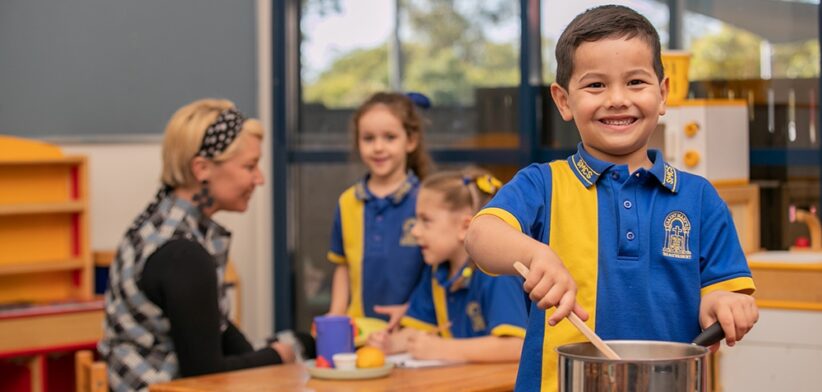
(30, 352)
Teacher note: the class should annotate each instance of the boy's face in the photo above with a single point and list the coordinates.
(614, 97)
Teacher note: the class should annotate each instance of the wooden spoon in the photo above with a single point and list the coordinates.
(574, 319)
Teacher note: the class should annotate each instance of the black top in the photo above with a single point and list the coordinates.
(180, 278)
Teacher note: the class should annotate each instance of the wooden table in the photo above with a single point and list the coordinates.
(294, 377)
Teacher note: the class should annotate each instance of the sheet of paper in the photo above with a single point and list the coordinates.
(405, 360)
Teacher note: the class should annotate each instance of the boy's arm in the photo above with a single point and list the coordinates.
(339, 290)
(495, 246)
(479, 349)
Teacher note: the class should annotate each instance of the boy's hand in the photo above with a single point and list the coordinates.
(423, 345)
(737, 313)
(550, 284)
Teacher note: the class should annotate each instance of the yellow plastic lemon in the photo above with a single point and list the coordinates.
(370, 357)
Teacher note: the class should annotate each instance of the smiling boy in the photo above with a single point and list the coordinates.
(614, 230)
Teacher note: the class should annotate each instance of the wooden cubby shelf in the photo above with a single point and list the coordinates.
(47, 310)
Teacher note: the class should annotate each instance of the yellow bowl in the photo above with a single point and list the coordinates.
(676, 65)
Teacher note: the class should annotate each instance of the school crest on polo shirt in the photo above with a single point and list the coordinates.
(407, 239)
(677, 235)
(474, 312)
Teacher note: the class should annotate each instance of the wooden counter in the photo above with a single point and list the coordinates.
(294, 377)
(787, 280)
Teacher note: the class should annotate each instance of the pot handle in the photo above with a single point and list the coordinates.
(710, 335)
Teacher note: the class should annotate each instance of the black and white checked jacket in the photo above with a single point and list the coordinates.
(136, 341)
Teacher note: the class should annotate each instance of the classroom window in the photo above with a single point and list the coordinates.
(766, 53)
(463, 55)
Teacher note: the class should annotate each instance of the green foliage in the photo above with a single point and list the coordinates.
(350, 79)
(735, 54)
(448, 57)
(729, 54)
(797, 60)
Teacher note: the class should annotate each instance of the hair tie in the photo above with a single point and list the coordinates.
(419, 99)
(219, 135)
(488, 184)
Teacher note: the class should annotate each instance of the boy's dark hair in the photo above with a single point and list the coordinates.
(607, 21)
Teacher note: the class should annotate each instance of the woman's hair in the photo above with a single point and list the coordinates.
(607, 21)
(184, 136)
(403, 108)
(470, 188)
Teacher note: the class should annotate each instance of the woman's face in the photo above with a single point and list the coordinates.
(232, 181)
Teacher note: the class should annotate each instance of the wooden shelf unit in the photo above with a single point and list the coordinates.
(46, 269)
(44, 244)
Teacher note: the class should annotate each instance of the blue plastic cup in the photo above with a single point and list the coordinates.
(335, 334)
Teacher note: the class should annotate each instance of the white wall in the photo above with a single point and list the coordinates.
(783, 352)
(123, 178)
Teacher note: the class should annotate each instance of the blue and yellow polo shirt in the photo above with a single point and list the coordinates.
(372, 236)
(643, 248)
(468, 305)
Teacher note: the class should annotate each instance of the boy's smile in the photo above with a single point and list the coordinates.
(615, 99)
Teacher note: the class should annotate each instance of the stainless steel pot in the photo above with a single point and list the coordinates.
(644, 366)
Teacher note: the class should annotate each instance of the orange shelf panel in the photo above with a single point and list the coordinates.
(38, 287)
(35, 184)
(33, 238)
(42, 266)
(42, 208)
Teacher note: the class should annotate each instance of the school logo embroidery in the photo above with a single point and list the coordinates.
(677, 233)
(474, 313)
(670, 177)
(407, 239)
(584, 170)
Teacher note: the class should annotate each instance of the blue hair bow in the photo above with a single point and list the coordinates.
(419, 99)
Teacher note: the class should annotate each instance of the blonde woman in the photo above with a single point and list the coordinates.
(166, 307)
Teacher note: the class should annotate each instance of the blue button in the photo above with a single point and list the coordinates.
(627, 204)
(615, 175)
(377, 238)
(379, 218)
(630, 235)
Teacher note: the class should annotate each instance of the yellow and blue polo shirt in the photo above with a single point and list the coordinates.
(470, 304)
(372, 236)
(643, 247)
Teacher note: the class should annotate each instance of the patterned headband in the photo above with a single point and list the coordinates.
(221, 133)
